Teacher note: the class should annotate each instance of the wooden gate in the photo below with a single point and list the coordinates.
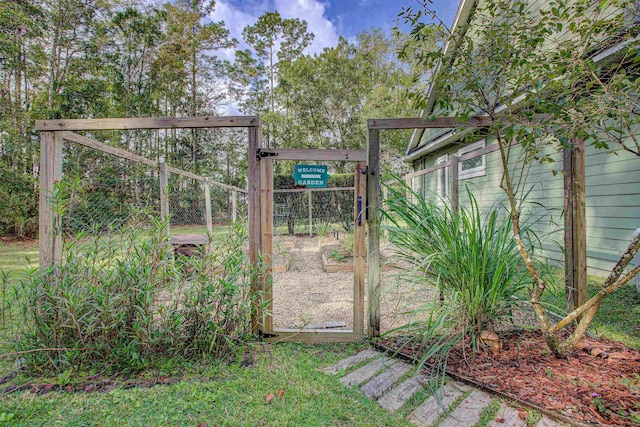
(261, 238)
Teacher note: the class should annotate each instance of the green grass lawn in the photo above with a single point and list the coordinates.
(619, 316)
(235, 397)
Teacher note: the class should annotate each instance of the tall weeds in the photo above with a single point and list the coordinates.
(120, 302)
(470, 259)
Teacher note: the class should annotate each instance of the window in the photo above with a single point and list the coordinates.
(442, 178)
(472, 167)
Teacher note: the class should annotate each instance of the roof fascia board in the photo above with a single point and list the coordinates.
(461, 20)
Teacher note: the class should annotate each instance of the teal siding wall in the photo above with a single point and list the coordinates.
(612, 201)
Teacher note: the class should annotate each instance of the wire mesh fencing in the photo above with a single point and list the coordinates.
(317, 211)
(101, 191)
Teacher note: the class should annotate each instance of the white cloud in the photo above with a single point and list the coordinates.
(312, 11)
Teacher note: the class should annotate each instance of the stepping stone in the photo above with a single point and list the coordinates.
(547, 422)
(377, 386)
(469, 411)
(427, 413)
(350, 361)
(398, 396)
(510, 416)
(367, 372)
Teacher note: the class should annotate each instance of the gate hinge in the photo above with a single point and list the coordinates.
(264, 335)
(366, 171)
(261, 154)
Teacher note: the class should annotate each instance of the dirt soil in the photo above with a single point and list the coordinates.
(591, 389)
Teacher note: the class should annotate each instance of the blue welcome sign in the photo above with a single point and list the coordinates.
(311, 176)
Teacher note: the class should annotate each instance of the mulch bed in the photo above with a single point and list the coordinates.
(601, 389)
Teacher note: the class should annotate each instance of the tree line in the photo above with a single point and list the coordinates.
(91, 59)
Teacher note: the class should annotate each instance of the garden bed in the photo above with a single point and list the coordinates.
(597, 390)
(335, 260)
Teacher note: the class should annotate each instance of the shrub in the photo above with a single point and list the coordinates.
(120, 303)
(471, 259)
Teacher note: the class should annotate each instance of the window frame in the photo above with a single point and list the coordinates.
(476, 171)
(440, 173)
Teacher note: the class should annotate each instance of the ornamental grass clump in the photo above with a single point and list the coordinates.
(122, 301)
(469, 258)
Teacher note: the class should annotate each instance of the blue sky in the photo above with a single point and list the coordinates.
(327, 19)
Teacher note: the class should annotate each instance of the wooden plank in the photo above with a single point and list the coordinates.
(431, 409)
(373, 253)
(164, 193)
(579, 224)
(575, 239)
(207, 205)
(115, 151)
(266, 227)
(368, 371)
(189, 239)
(311, 337)
(455, 184)
(148, 123)
(383, 382)
(359, 235)
(300, 190)
(254, 225)
(398, 396)
(310, 208)
(50, 240)
(469, 411)
(444, 122)
(234, 206)
(351, 361)
(317, 155)
(509, 416)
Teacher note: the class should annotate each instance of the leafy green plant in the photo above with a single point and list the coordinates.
(119, 302)
(471, 259)
(337, 255)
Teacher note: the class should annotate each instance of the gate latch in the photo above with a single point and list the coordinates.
(261, 154)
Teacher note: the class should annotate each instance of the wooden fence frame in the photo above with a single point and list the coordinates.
(54, 132)
(574, 199)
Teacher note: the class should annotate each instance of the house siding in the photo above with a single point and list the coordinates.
(612, 200)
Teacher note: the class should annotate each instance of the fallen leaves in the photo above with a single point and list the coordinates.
(270, 396)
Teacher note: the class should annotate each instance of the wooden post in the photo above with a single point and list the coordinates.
(385, 196)
(164, 194)
(50, 237)
(266, 209)
(359, 262)
(234, 205)
(207, 204)
(254, 225)
(309, 197)
(455, 196)
(373, 252)
(575, 238)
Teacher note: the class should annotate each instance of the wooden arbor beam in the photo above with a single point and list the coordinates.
(447, 122)
(149, 123)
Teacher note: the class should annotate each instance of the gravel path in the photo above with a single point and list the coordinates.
(307, 295)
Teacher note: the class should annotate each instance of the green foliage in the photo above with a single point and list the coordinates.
(120, 303)
(19, 209)
(470, 259)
